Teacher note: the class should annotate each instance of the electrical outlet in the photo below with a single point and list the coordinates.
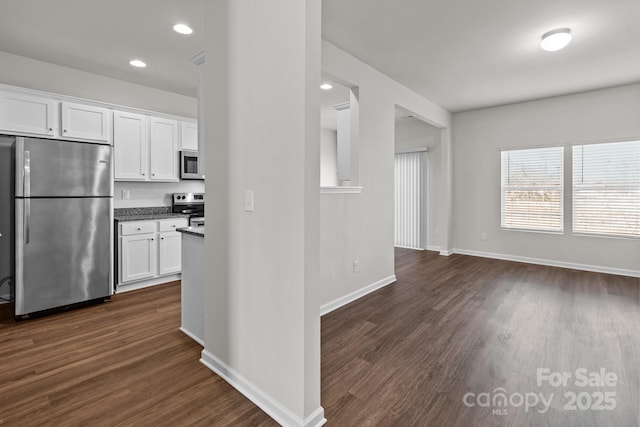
(483, 236)
(125, 195)
(356, 266)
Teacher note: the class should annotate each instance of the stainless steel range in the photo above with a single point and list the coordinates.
(191, 204)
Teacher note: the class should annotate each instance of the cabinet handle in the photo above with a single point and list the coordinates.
(65, 131)
(138, 228)
(173, 225)
(153, 240)
(153, 174)
(50, 129)
(162, 238)
(143, 174)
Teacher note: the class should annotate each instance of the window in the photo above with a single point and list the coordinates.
(532, 190)
(606, 189)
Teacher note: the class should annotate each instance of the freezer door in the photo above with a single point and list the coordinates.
(63, 252)
(50, 168)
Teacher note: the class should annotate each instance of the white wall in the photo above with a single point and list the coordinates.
(414, 133)
(33, 74)
(478, 137)
(328, 158)
(360, 226)
(262, 315)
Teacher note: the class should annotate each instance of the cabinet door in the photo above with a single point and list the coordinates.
(163, 140)
(130, 145)
(170, 253)
(189, 136)
(138, 259)
(85, 122)
(26, 114)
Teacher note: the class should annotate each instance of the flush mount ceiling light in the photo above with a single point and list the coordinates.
(137, 63)
(326, 86)
(555, 39)
(182, 29)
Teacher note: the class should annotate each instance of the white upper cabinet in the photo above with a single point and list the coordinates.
(163, 142)
(85, 122)
(131, 146)
(26, 114)
(189, 136)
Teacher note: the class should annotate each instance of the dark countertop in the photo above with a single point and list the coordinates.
(148, 217)
(194, 231)
(145, 214)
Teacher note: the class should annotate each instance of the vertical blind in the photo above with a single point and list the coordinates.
(532, 189)
(606, 189)
(408, 199)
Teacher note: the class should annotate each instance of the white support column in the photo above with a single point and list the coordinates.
(262, 116)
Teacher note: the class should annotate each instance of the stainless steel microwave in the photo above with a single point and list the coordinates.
(190, 165)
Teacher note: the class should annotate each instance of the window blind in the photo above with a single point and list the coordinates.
(532, 189)
(409, 176)
(606, 189)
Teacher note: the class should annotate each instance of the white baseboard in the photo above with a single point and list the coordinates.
(409, 247)
(447, 252)
(265, 402)
(192, 336)
(126, 287)
(337, 303)
(433, 248)
(551, 263)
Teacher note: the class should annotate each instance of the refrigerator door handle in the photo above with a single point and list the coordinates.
(27, 174)
(27, 220)
(27, 193)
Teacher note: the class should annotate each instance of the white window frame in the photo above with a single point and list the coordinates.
(503, 223)
(583, 232)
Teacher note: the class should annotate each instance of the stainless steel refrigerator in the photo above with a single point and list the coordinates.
(63, 223)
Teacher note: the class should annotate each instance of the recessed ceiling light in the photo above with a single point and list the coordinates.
(325, 86)
(555, 39)
(137, 63)
(182, 29)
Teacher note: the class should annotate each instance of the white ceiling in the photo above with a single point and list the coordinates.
(466, 54)
(461, 54)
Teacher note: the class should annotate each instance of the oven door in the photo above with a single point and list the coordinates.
(189, 165)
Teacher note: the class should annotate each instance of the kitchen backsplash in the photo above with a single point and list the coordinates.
(151, 194)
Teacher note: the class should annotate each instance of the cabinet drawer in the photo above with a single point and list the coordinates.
(137, 227)
(172, 224)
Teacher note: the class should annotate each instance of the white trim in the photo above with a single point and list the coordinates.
(447, 252)
(433, 248)
(68, 98)
(551, 263)
(126, 287)
(413, 150)
(316, 419)
(409, 247)
(192, 336)
(337, 303)
(272, 407)
(340, 190)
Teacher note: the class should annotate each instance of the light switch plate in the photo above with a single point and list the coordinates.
(248, 201)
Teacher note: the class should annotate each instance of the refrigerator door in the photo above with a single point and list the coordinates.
(62, 252)
(50, 168)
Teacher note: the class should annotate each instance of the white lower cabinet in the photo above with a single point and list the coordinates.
(149, 250)
(170, 253)
(139, 257)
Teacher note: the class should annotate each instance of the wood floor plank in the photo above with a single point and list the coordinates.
(404, 355)
(460, 324)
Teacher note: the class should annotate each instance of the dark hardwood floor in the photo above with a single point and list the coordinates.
(124, 362)
(405, 355)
